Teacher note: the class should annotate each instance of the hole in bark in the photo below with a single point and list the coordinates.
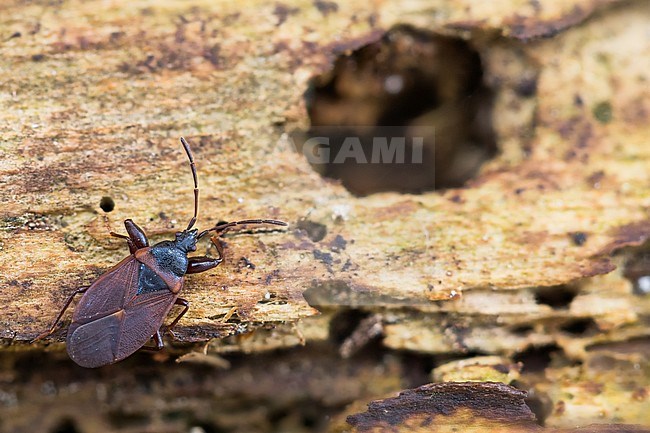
(556, 297)
(408, 113)
(579, 327)
(536, 359)
(344, 324)
(66, 425)
(107, 204)
(522, 330)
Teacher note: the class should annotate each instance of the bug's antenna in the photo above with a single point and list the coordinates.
(221, 228)
(196, 183)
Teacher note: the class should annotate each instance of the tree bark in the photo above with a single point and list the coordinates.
(535, 253)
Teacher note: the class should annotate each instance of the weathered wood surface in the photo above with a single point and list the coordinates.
(95, 95)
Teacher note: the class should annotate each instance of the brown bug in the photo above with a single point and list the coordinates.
(123, 309)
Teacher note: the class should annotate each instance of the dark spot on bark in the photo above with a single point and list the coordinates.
(503, 369)
(579, 238)
(603, 112)
(577, 101)
(213, 55)
(527, 87)
(244, 263)
(326, 7)
(116, 36)
(315, 231)
(595, 178)
(323, 257)
(282, 12)
(38, 57)
(270, 276)
(338, 244)
(536, 359)
(579, 327)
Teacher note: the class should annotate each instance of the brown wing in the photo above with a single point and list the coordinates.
(107, 294)
(143, 317)
(111, 321)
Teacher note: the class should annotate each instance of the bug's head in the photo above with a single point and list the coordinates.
(186, 240)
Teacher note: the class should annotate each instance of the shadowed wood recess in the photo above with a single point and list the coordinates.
(539, 262)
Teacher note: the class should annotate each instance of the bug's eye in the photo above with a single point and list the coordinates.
(178, 234)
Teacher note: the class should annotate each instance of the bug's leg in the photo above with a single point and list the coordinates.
(218, 245)
(58, 319)
(184, 303)
(203, 263)
(157, 337)
(159, 341)
(132, 247)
